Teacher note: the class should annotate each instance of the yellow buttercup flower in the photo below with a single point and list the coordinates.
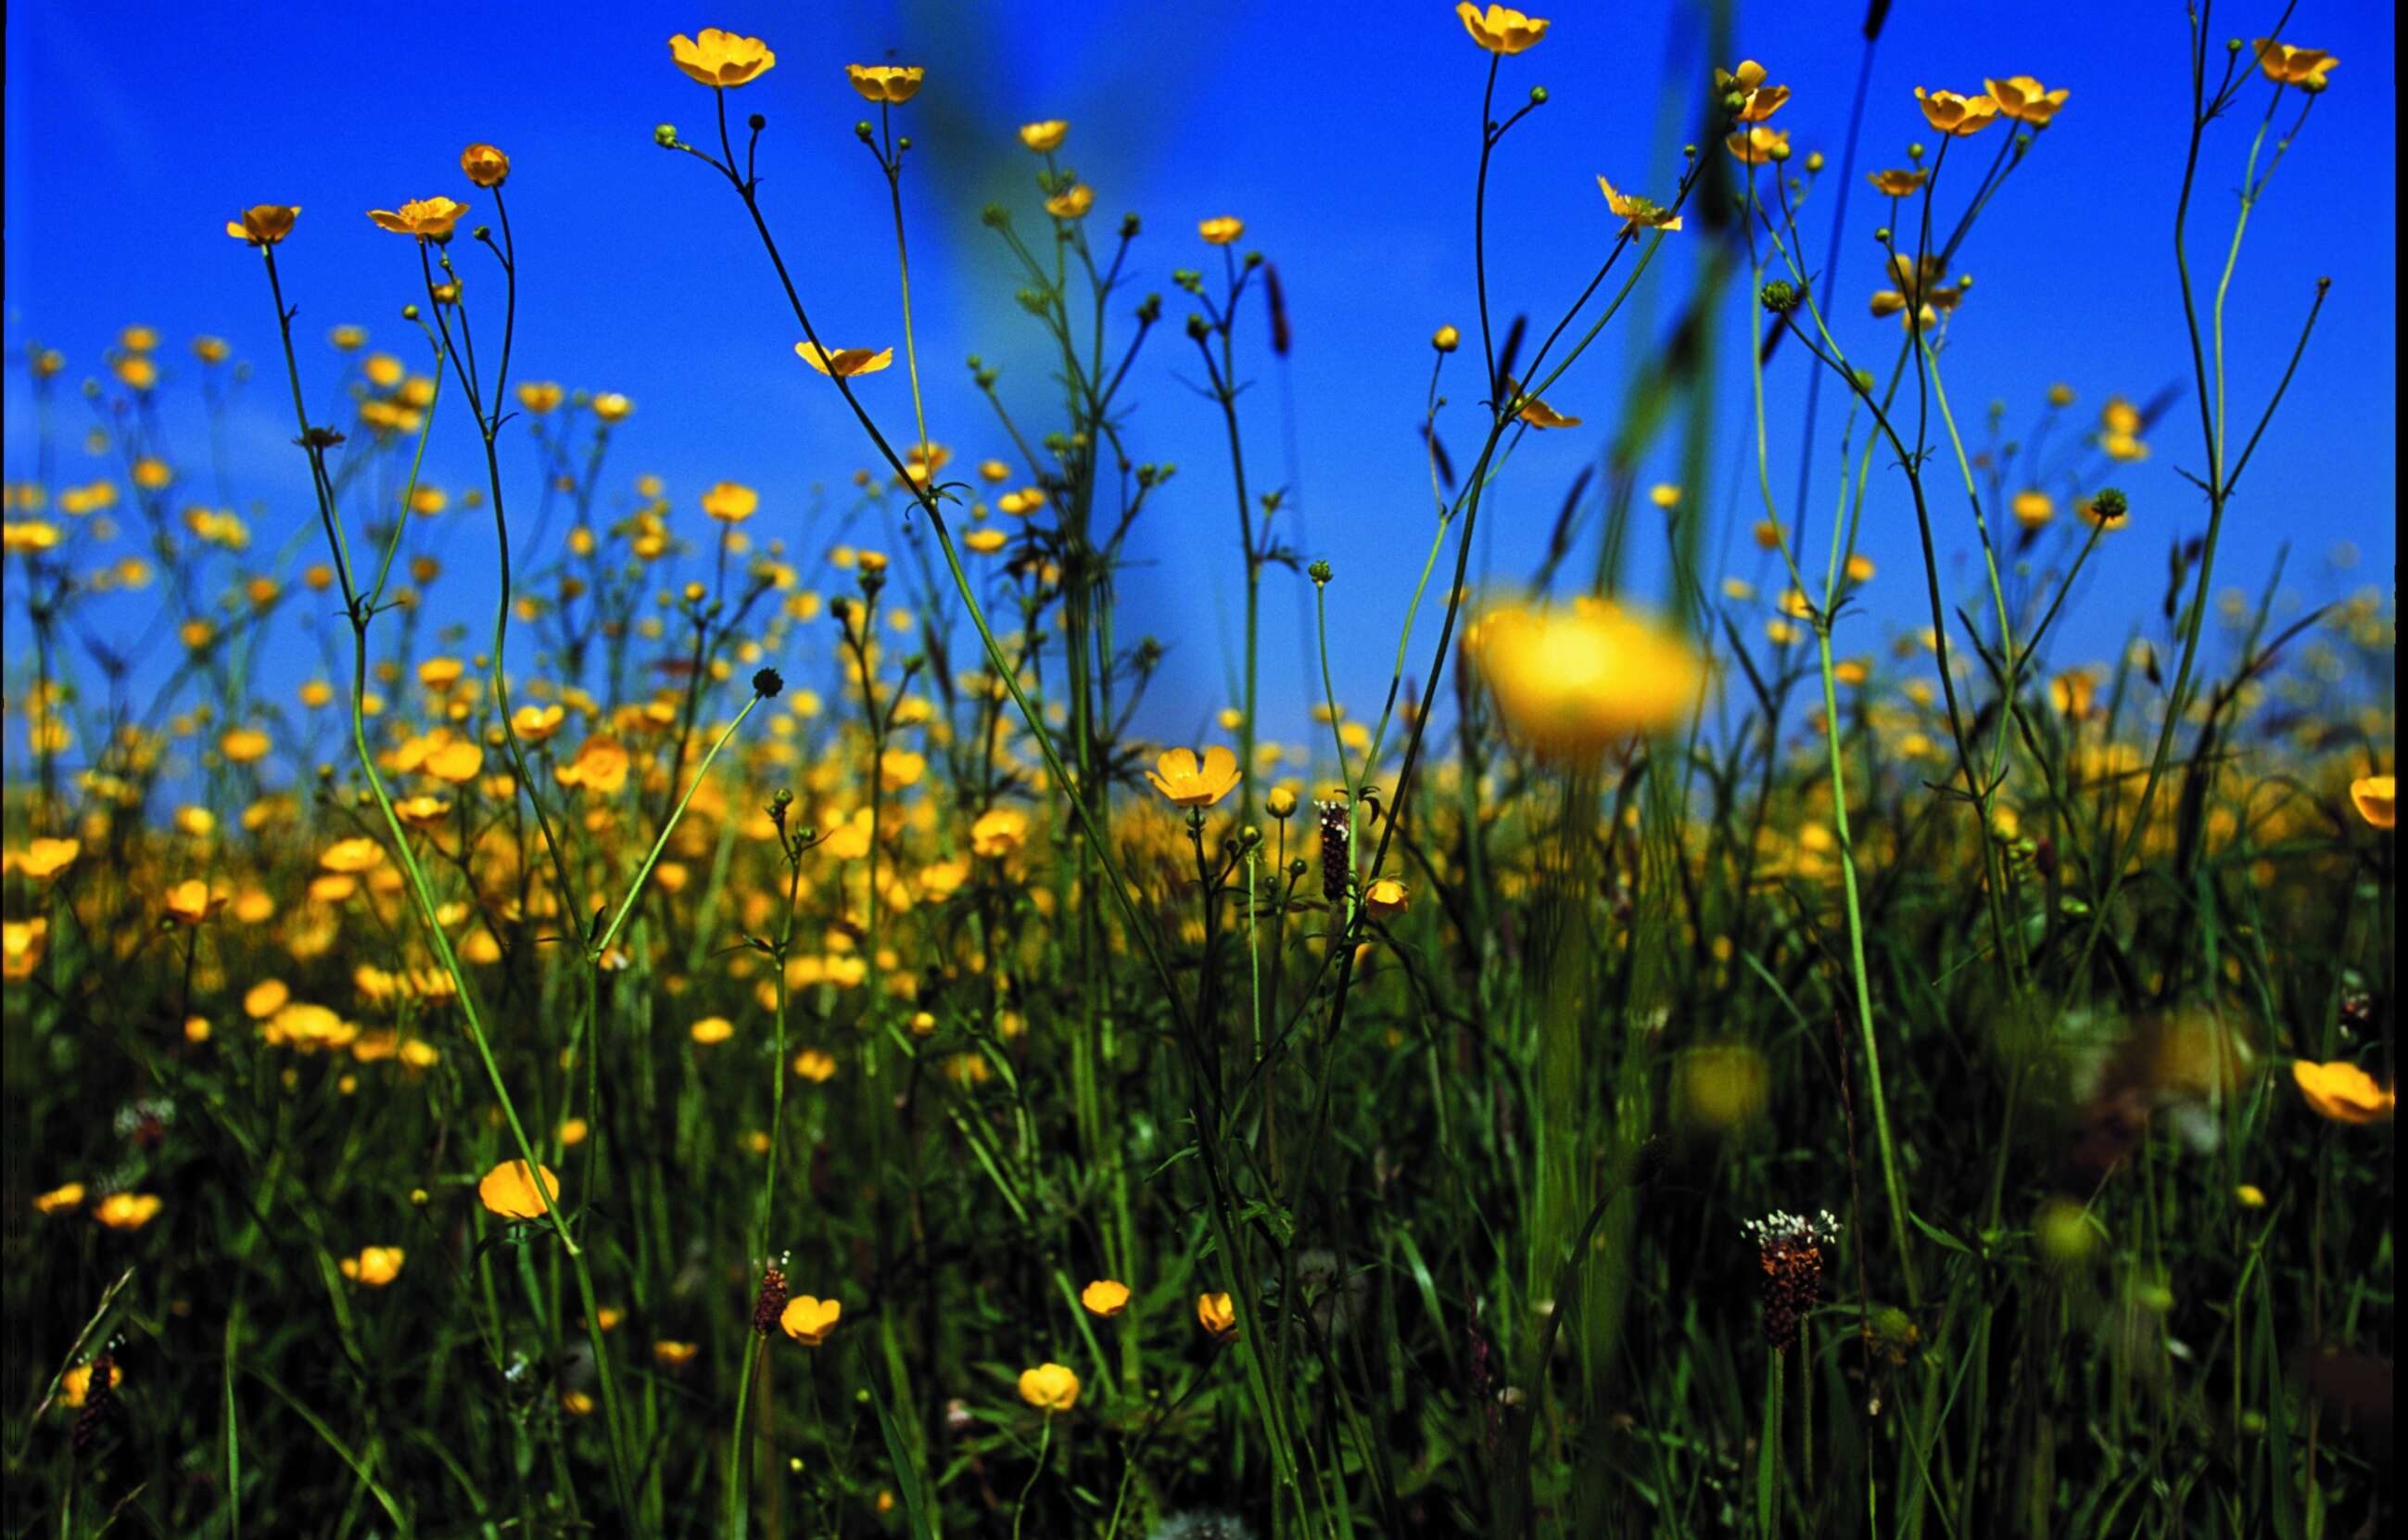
(1898, 185)
(2025, 99)
(1221, 231)
(2283, 64)
(264, 224)
(998, 831)
(815, 1065)
(485, 166)
(730, 502)
(675, 1355)
(1919, 296)
(2371, 795)
(891, 84)
(1044, 138)
(2343, 1093)
(1638, 214)
(2033, 508)
(1501, 29)
(60, 1200)
(844, 363)
(1575, 681)
(534, 724)
(1218, 1314)
(1105, 1297)
(720, 59)
(809, 1321)
(44, 860)
(428, 219)
(1386, 898)
(1761, 101)
(1956, 115)
(711, 1029)
(509, 1191)
(1071, 203)
(1758, 145)
(353, 856)
(127, 1210)
(1188, 784)
(1050, 1388)
(374, 1267)
(194, 903)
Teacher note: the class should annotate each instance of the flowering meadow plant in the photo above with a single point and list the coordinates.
(798, 1016)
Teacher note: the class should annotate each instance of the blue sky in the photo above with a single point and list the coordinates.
(1346, 139)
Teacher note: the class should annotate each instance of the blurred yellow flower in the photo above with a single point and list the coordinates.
(2033, 507)
(1218, 1314)
(192, 901)
(2342, 1092)
(1574, 682)
(1050, 1388)
(844, 362)
(720, 59)
(2371, 795)
(509, 1191)
(1105, 1297)
(355, 855)
(998, 831)
(891, 84)
(1188, 784)
(809, 1321)
(730, 502)
(675, 1355)
(1501, 29)
(44, 860)
(1758, 145)
(60, 1200)
(711, 1029)
(127, 1210)
(1386, 898)
(816, 1066)
(1044, 138)
(1221, 231)
(1071, 203)
(428, 219)
(539, 396)
(1898, 185)
(264, 224)
(374, 1267)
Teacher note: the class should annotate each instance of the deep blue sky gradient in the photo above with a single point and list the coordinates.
(1346, 138)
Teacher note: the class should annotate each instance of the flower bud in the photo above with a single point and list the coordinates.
(1446, 339)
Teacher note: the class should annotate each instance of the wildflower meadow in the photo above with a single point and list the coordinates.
(1199, 773)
